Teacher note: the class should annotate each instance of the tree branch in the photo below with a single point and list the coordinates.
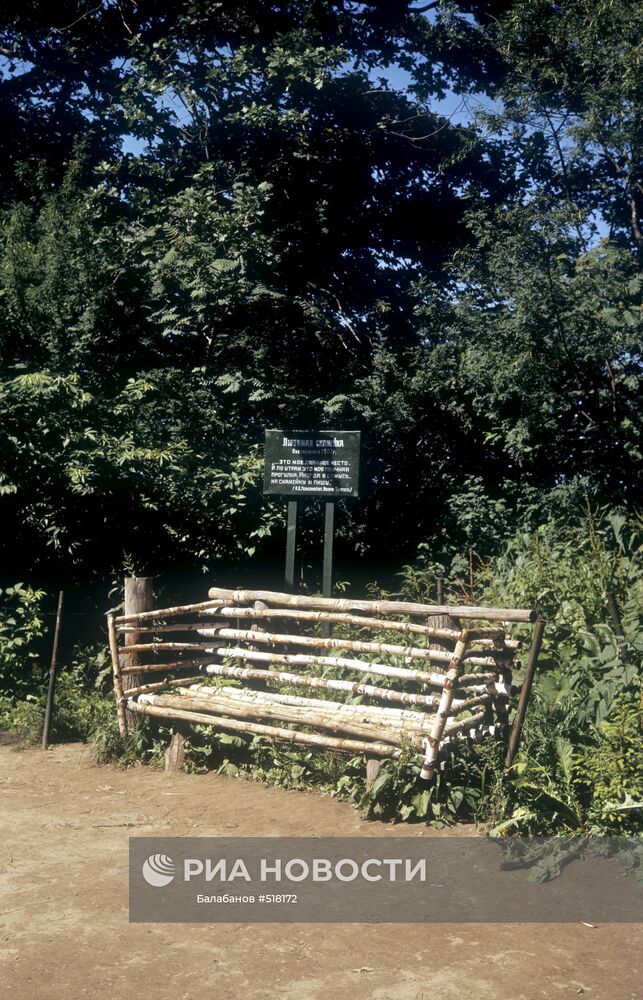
(612, 382)
(634, 217)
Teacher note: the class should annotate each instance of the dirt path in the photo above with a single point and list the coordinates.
(64, 932)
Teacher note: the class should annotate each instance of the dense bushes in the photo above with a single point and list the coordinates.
(22, 628)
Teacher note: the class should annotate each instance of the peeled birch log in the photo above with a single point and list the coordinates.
(373, 712)
(466, 685)
(480, 729)
(377, 607)
(116, 672)
(444, 710)
(273, 732)
(159, 629)
(236, 718)
(160, 686)
(237, 709)
(342, 663)
(418, 720)
(338, 618)
(155, 668)
(156, 647)
(326, 683)
(331, 684)
(485, 636)
(180, 609)
(472, 722)
(353, 645)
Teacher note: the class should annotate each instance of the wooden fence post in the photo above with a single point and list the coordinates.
(521, 711)
(138, 597)
(440, 621)
(52, 673)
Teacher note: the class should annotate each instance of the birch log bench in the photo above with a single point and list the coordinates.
(388, 681)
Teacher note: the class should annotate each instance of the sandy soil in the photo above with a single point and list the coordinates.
(64, 931)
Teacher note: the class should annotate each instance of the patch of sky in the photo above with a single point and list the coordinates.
(131, 146)
(169, 101)
(12, 68)
(386, 260)
(456, 108)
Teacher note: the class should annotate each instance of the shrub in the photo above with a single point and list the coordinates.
(22, 629)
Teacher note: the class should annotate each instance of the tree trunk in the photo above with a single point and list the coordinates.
(175, 754)
(138, 597)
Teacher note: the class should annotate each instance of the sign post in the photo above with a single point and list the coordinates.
(312, 463)
(291, 545)
(329, 534)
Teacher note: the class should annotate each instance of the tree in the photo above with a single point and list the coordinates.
(241, 271)
(223, 218)
(572, 93)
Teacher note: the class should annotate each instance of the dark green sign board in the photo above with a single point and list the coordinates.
(312, 463)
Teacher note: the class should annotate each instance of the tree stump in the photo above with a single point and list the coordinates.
(373, 765)
(175, 754)
(138, 597)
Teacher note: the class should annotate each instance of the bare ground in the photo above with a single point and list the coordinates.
(64, 931)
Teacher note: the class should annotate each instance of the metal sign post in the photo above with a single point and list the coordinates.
(329, 537)
(291, 545)
(312, 463)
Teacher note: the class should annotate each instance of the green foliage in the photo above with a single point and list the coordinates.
(612, 775)
(77, 713)
(259, 759)
(145, 452)
(83, 710)
(571, 99)
(263, 258)
(569, 777)
(22, 628)
(159, 310)
(549, 340)
(567, 571)
(579, 764)
(398, 793)
(145, 743)
(80, 706)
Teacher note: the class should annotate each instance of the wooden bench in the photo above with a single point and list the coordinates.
(379, 678)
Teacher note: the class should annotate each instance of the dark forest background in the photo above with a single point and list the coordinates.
(422, 221)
